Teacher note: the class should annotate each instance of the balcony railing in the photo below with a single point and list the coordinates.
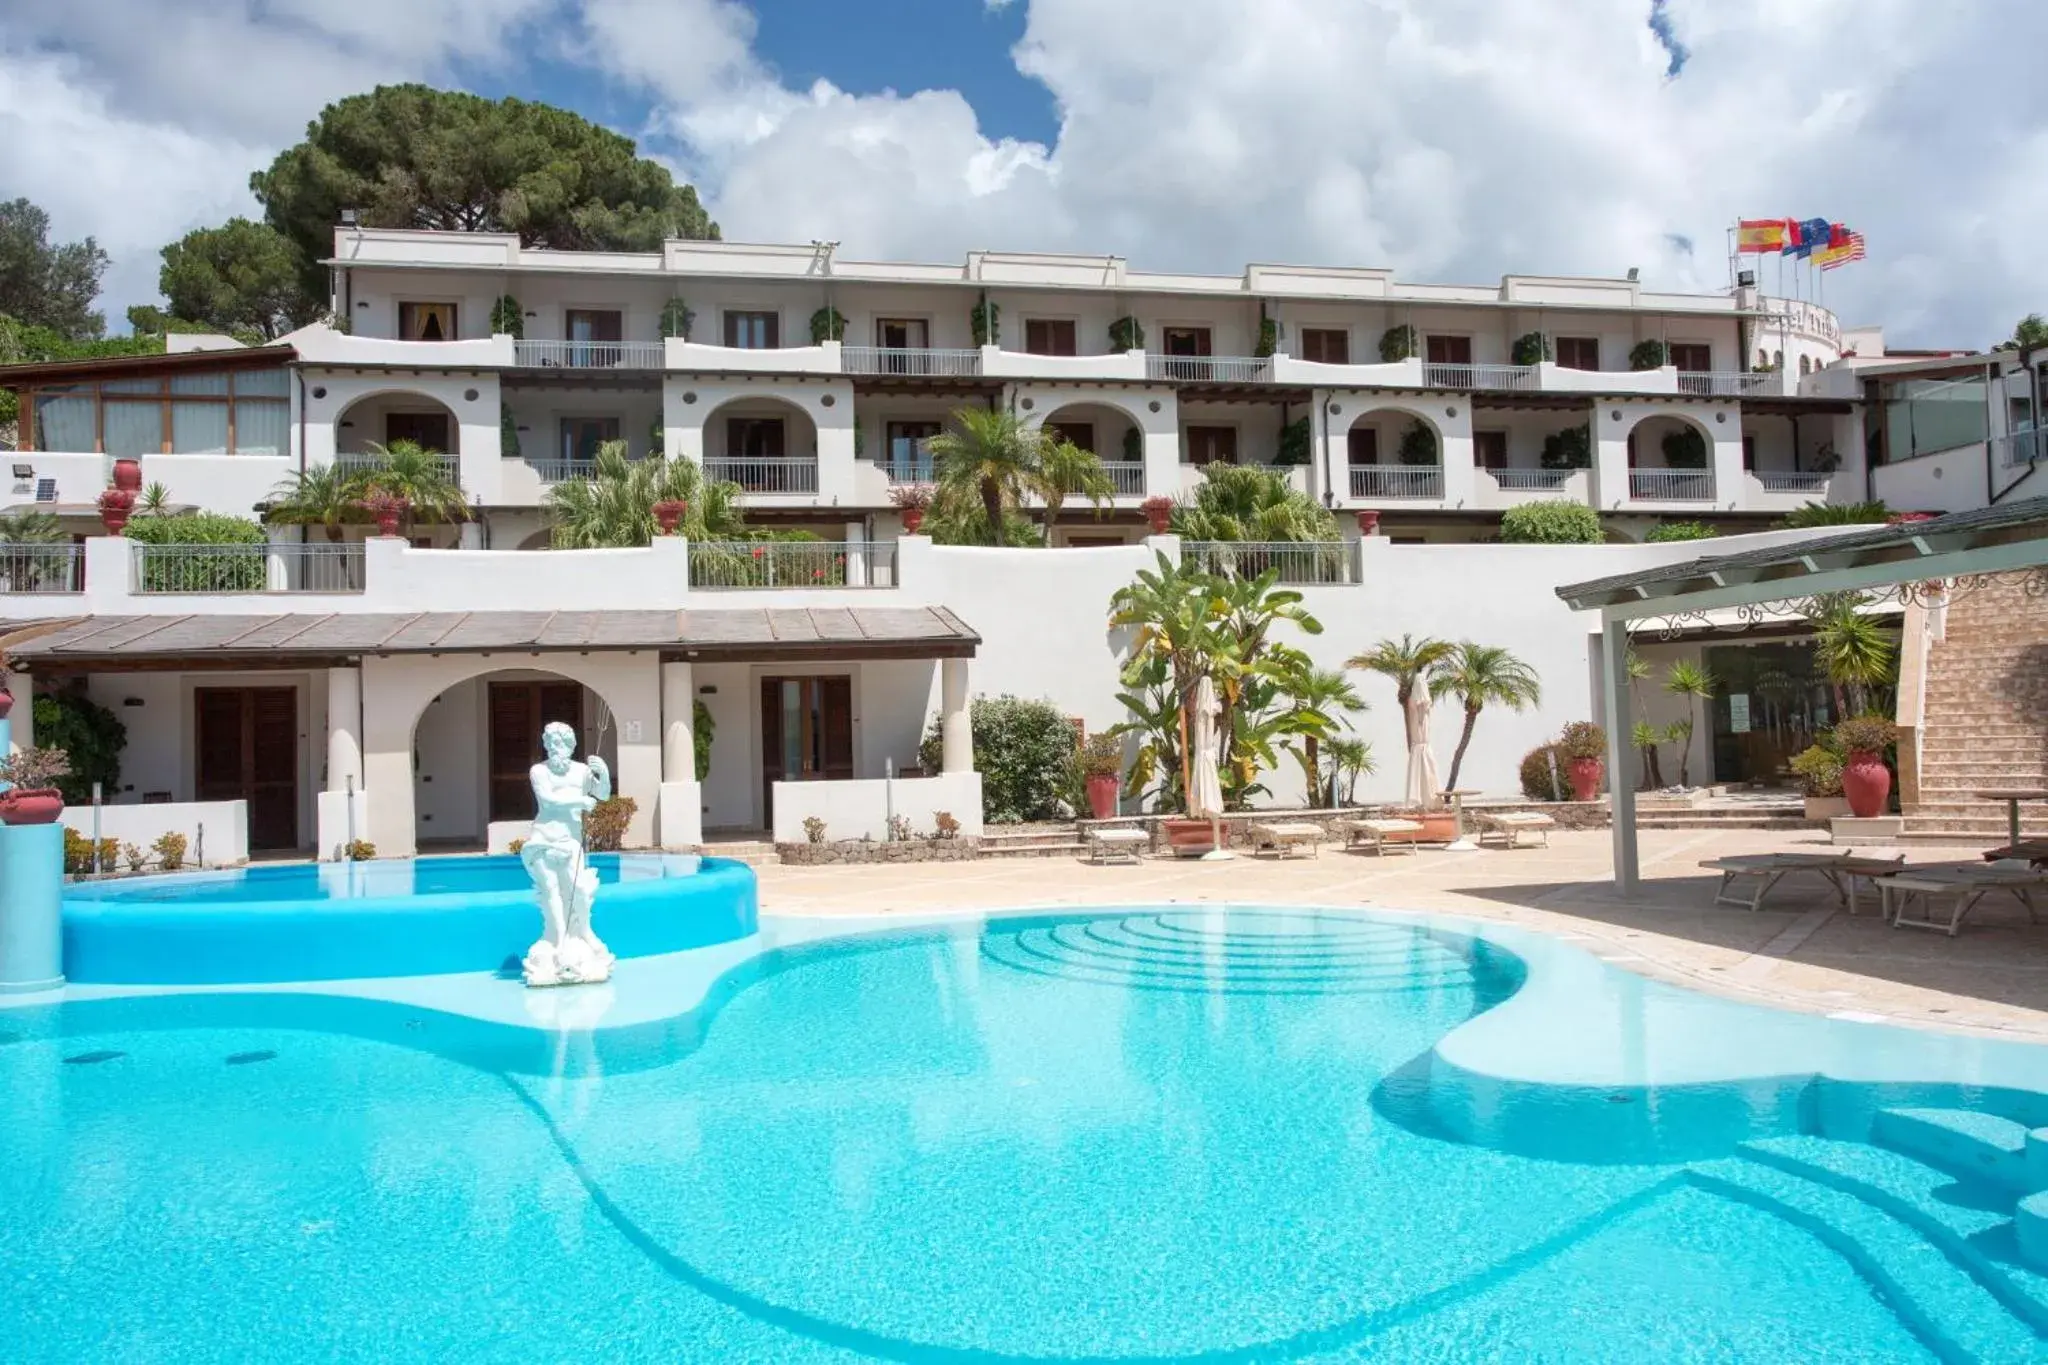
(1793, 480)
(589, 355)
(1127, 475)
(1210, 369)
(902, 360)
(561, 471)
(29, 568)
(793, 564)
(1720, 383)
(1671, 485)
(248, 568)
(1397, 481)
(1531, 480)
(2016, 448)
(917, 469)
(1300, 562)
(1479, 376)
(360, 461)
(782, 474)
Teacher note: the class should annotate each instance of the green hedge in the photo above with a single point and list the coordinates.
(1680, 530)
(1022, 749)
(1551, 523)
(229, 571)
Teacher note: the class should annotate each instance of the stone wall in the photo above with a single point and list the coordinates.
(879, 851)
(1567, 814)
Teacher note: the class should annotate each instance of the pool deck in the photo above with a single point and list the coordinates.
(1799, 952)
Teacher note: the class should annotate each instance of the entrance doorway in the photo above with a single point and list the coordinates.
(1771, 702)
(806, 734)
(247, 749)
(518, 713)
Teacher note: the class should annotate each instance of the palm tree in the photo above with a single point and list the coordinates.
(326, 495)
(1314, 698)
(1065, 470)
(1246, 610)
(1688, 680)
(154, 502)
(614, 506)
(1478, 674)
(1645, 736)
(1855, 651)
(408, 470)
(1167, 609)
(1407, 661)
(1346, 759)
(30, 527)
(991, 453)
(1246, 503)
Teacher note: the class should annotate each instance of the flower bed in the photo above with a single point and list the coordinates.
(879, 851)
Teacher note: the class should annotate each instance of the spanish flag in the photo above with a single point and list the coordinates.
(1761, 234)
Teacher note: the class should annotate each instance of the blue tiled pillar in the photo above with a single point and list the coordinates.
(31, 907)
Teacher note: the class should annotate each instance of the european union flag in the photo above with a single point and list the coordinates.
(1807, 236)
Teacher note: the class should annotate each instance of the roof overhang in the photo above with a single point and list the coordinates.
(40, 372)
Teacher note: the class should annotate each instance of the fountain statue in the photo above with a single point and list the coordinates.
(567, 953)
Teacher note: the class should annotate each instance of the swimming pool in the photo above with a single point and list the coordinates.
(1155, 1134)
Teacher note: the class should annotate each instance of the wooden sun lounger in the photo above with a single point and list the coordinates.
(1510, 824)
(1282, 835)
(1840, 870)
(1961, 885)
(1373, 834)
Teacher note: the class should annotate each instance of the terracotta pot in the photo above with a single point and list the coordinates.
(1102, 796)
(668, 513)
(1368, 523)
(1585, 778)
(913, 517)
(6, 702)
(128, 475)
(115, 505)
(1186, 835)
(1866, 782)
(31, 805)
(1159, 514)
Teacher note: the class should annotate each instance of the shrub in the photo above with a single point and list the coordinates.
(1543, 775)
(78, 851)
(1269, 338)
(170, 850)
(1582, 739)
(134, 857)
(1102, 756)
(1399, 343)
(604, 826)
(899, 829)
(1023, 750)
(1530, 348)
(1646, 355)
(1418, 444)
(1865, 734)
(1685, 449)
(92, 738)
(1680, 530)
(1125, 334)
(827, 324)
(514, 846)
(986, 321)
(814, 829)
(228, 571)
(1550, 523)
(946, 823)
(1819, 771)
(361, 850)
(1295, 443)
(507, 319)
(35, 769)
(1571, 448)
(1837, 514)
(676, 318)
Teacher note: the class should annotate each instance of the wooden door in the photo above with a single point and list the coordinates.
(806, 734)
(1362, 445)
(247, 749)
(1212, 445)
(428, 430)
(1490, 449)
(518, 713)
(1450, 350)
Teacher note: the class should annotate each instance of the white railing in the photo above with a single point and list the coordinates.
(286, 567)
(782, 474)
(589, 355)
(1720, 383)
(1210, 369)
(793, 564)
(1531, 480)
(1397, 481)
(1309, 561)
(363, 461)
(1479, 376)
(561, 471)
(917, 469)
(1671, 485)
(2016, 448)
(1792, 480)
(1127, 475)
(911, 360)
(31, 568)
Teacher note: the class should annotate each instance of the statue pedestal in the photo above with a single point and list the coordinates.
(573, 964)
(31, 908)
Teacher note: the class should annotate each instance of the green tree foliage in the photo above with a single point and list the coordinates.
(239, 277)
(1680, 530)
(91, 735)
(1837, 514)
(1856, 651)
(1571, 448)
(326, 495)
(1244, 502)
(614, 507)
(989, 457)
(1550, 523)
(1690, 681)
(1685, 448)
(48, 284)
(409, 156)
(22, 343)
(1022, 749)
(1409, 663)
(1479, 676)
(2030, 333)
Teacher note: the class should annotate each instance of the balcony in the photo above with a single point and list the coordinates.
(1720, 383)
(561, 471)
(1791, 480)
(313, 567)
(1393, 481)
(793, 564)
(918, 362)
(1209, 369)
(790, 474)
(1127, 475)
(1532, 480)
(588, 355)
(1671, 485)
(363, 461)
(41, 569)
(1313, 562)
(1436, 376)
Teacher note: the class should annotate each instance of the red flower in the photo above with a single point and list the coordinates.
(759, 551)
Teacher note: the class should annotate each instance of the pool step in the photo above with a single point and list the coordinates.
(1941, 1302)
(1965, 1142)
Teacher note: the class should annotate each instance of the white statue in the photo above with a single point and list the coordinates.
(567, 953)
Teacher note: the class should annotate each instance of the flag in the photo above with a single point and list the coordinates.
(1849, 248)
(1806, 236)
(1753, 235)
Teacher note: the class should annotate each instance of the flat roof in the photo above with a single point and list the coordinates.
(57, 371)
(299, 640)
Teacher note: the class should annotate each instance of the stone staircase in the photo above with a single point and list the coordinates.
(1986, 716)
(1044, 841)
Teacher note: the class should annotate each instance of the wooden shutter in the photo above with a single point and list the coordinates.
(218, 745)
(1326, 345)
(1450, 350)
(1691, 357)
(836, 707)
(247, 749)
(1492, 449)
(1578, 353)
(1363, 445)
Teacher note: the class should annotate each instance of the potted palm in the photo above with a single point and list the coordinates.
(1583, 743)
(1865, 779)
(34, 798)
(912, 500)
(1102, 767)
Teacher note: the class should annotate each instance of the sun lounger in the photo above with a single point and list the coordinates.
(1840, 870)
(1374, 834)
(1281, 835)
(1510, 825)
(1960, 886)
(1117, 845)
(2033, 851)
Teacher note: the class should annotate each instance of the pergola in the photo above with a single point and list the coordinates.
(1927, 561)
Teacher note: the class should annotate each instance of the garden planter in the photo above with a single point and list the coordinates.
(1438, 827)
(668, 513)
(1821, 808)
(1158, 514)
(1368, 523)
(1866, 782)
(913, 518)
(1102, 796)
(128, 475)
(1585, 778)
(31, 805)
(1186, 836)
(115, 506)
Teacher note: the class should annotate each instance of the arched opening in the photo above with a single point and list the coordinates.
(1394, 452)
(1670, 458)
(474, 743)
(543, 539)
(1111, 435)
(763, 444)
(380, 419)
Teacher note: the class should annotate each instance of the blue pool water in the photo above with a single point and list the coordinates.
(1160, 1135)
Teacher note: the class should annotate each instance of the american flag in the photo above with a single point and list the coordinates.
(1849, 248)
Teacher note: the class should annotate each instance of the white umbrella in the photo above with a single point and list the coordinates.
(1423, 782)
(1205, 787)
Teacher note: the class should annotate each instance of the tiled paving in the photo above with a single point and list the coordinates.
(1799, 952)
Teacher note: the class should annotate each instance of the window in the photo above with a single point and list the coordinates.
(1326, 345)
(427, 322)
(427, 430)
(1049, 336)
(1691, 357)
(1490, 449)
(598, 327)
(753, 331)
(907, 462)
(902, 334)
(1184, 340)
(753, 438)
(1080, 434)
(1211, 445)
(581, 436)
(217, 412)
(1449, 350)
(1362, 445)
(1578, 353)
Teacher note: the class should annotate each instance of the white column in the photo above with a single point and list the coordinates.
(956, 733)
(338, 816)
(1620, 752)
(21, 721)
(278, 575)
(856, 555)
(471, 535)
(679, 807)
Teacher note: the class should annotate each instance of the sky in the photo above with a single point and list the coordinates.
(1450, 140)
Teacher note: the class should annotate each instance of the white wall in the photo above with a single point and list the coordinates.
(216, 832)
(860, 809)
